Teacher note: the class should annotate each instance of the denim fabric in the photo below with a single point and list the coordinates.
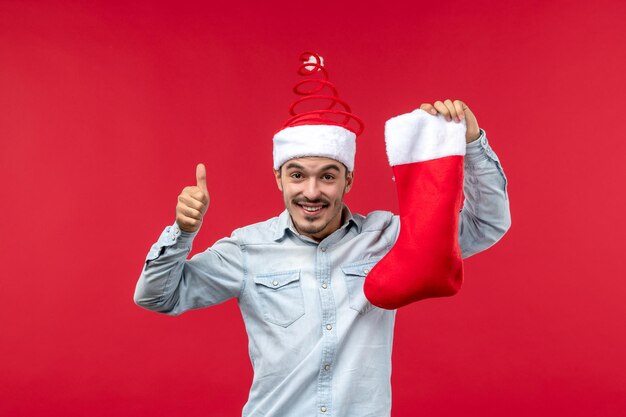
(317, 346)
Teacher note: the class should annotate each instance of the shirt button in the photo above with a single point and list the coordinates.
(323, 409)
(329, 327)
(324, 285)
(275, 283)
(323, 249)
(327, 367)
(173, 237)
(366, 271)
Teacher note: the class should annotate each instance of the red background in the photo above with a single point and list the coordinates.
(105, 109)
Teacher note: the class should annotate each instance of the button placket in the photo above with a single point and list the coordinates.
(329, 336)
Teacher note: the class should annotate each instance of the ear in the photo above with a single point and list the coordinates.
(279, 183)
(349, 181)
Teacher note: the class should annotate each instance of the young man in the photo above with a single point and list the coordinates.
(317, 345)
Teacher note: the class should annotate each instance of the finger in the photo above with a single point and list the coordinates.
(450, 106)
(189, 212)
(201, 196)
(196, 193)
(187, 223)
(460, 109)
(201, 178)
(428, 108)
(468, 113)
(473, 131)
(193, 202)
(443, 109)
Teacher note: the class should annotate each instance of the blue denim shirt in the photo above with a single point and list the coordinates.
(317, 346)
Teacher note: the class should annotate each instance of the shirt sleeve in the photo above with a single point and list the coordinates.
(485, 216)
(172, 284)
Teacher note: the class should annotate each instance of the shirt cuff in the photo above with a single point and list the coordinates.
(479, 150)
(479, 157)
(171, 236)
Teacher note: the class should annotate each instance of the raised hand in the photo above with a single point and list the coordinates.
(455, 110)
(193, 202)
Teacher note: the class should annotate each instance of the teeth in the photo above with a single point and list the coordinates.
(311, 209)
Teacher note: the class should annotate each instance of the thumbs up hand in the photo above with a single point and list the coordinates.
(193, 202)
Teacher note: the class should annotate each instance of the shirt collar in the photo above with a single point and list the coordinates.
(285, 223)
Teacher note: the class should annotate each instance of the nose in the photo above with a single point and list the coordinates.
(311, 189)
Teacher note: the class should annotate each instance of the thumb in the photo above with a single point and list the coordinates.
(201, 178)
(473, 131)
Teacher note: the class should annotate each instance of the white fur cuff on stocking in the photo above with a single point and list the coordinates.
(419, 136)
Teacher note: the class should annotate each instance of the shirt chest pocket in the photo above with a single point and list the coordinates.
(280, 297)
(355, 275)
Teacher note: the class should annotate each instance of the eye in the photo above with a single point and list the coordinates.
(296, 175)
(328, 177)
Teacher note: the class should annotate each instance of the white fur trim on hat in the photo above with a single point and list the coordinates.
(328, 141)
(419, 136)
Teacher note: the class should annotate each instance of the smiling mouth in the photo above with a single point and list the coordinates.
(310, 208)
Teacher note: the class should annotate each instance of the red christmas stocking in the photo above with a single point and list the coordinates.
(426, 153)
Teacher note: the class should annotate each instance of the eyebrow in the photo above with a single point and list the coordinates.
(294, 165)
(324, 168)
(331, 166)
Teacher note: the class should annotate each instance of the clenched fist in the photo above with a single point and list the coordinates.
(455, 110)
(192, 203)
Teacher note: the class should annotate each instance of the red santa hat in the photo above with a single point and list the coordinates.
(321, 124)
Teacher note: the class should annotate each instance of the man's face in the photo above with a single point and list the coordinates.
(313, 189)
